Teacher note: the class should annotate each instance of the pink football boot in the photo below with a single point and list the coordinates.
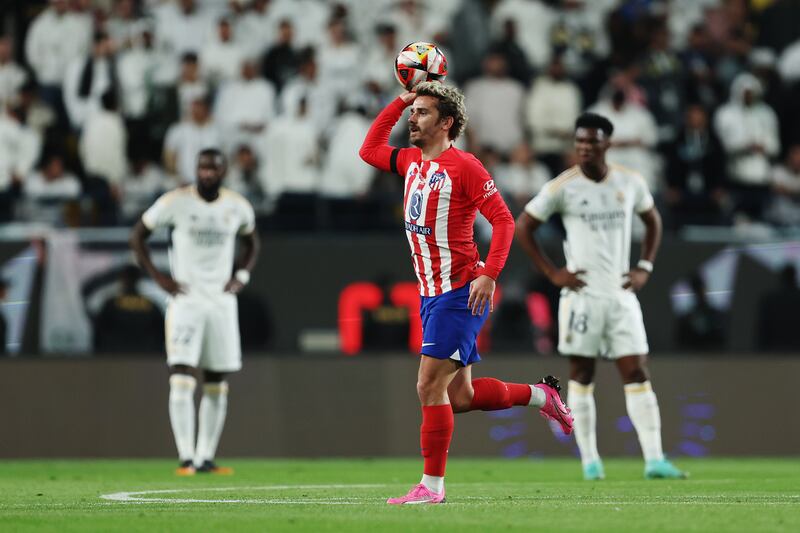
(419, 494)
(553, 407)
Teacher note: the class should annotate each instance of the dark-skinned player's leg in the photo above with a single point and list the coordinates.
(182, 384)
(211, 420)
(580, 399)
(642, 406)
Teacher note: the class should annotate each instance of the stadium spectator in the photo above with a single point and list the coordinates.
(181, 27)
(56, 38)
(88, 78)
(344, 175)
(49, 190)
(335, 60)
(20, 147)
(702, 327)
(136, 66)
(12, 76)
(125, 24)
(578, 34)
(776, 94)
(551, 107)
(789, 63)
(379, 65)
(102, 148)
(699, 65)
(415, 21)
(186, 139)
(128, 322)
(748, 130)
(785, 182)
(662, 79)
(221, 57)
(777, 312)
(245, 106)
(508, 45)
(536, 18)
(521, 178)
(290, 170)
(470, 39)
(255, 29)
(39, 116)
(243, 175)
(309, 18)
(280, 61)
(307, 88)
(190, 85)
(635, 132)
(141, 186)
(695, 173)
(682, 17)
(495, 103)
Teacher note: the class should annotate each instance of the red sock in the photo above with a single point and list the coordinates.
(492, 394)
(434, 437)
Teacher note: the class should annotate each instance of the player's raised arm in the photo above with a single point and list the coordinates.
(376, 150)
(138, 243)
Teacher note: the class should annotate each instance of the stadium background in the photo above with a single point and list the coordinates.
(82, 350)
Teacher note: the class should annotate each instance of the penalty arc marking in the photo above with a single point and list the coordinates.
(153, 496)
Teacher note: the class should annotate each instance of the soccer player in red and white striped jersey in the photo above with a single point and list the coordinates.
(444, 189)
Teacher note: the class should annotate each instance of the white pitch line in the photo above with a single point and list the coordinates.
(140, 497)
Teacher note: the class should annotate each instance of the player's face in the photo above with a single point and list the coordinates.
(424, 124)
(210, 171)
(590, 145)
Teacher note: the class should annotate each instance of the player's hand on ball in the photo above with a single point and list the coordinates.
(170, 285)
(571, 280)
(234, 286)
(481, 294)
(408, 97)
(636, 279)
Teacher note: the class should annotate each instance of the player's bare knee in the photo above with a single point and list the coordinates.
(213, 377)
(583, 374)
(636, 374)
(182, 369)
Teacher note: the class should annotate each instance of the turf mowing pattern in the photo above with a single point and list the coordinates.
(349, 495)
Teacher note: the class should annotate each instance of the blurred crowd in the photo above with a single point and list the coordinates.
(105, 103)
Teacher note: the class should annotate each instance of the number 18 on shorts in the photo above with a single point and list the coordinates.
(601, 326)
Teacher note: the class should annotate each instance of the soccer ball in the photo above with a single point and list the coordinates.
(419, 62)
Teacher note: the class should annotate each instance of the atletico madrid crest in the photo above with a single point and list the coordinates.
(437, 181)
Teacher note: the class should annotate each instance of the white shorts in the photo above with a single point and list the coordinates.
(605, 326)
(203, 332)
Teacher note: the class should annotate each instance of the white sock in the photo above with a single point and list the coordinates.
(434, 483)
(538, 397)
(181, 413)
(211, 419)
(644, 414)
(580, 400)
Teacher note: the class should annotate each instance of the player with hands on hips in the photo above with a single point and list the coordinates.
(599, 314)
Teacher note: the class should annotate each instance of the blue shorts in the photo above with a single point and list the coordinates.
(449, 329)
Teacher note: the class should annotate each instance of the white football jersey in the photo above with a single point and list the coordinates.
(598, 218)
(203, 238)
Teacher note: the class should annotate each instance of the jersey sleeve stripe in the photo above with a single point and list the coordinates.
(393, 161)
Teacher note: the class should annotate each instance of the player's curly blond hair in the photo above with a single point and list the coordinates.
(450, 104)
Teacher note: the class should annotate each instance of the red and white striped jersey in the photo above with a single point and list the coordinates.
(441, 200)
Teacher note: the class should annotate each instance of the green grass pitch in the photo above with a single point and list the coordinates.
(348, 495)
